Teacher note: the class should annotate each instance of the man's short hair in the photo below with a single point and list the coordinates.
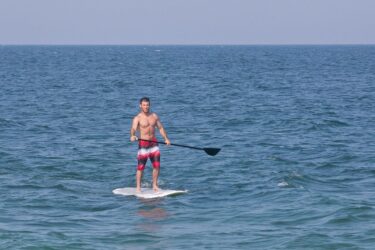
(144, 99)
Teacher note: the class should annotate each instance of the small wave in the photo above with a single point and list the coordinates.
(292, 179)
(342, 220)
(24, 187)
(326, 124)
(6, 123)
(336, 123)
(283, 184)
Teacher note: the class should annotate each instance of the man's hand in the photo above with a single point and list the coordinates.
(167, 141)
(133, 138)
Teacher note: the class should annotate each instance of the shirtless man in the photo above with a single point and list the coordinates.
(146, 122)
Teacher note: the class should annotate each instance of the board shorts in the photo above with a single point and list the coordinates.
(148, 150)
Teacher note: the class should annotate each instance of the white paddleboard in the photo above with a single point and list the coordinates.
(147, 193)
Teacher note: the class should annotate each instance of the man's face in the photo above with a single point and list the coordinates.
(145, 107)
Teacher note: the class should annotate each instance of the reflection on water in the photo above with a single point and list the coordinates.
(156, 213)
(153, 211)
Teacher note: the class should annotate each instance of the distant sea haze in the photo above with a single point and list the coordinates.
(295, 125)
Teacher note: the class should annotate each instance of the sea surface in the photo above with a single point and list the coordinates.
(295, 124)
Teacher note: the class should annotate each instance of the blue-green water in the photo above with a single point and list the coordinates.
(295, 124)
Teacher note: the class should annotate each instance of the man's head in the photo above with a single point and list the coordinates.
(144, 104)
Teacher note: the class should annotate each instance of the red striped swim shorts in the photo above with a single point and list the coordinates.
(148, 150)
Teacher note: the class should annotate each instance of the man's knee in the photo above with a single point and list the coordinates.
(141, 167)
(156, 165)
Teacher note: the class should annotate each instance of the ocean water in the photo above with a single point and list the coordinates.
(295, 125)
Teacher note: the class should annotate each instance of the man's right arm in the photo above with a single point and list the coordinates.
(133, 129)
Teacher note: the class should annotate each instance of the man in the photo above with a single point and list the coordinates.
(145, 122)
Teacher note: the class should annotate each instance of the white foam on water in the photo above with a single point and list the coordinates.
(283, 184)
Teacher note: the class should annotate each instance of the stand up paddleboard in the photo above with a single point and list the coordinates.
(147, 193)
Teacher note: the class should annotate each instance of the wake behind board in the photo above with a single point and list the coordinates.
(147, 193)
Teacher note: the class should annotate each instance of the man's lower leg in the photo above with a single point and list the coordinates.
(155, 176)
(139, 180)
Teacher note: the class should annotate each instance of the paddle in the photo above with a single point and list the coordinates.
(209, 151)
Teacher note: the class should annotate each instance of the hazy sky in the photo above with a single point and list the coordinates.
(187, 22)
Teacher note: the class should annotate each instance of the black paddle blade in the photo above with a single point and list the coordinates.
(211, 151)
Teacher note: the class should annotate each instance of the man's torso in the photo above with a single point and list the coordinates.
(146, 125)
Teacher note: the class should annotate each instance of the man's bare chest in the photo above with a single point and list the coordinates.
(146, 122)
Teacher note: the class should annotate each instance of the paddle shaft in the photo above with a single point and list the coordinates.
(173, 144)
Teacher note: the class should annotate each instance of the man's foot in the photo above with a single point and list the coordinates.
(138, 190)
(156, 188)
